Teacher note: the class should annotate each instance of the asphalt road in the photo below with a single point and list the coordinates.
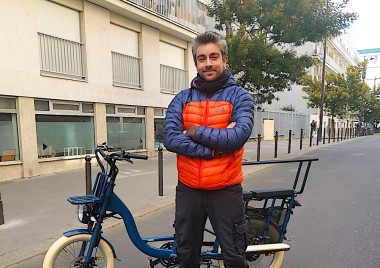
(337, 226)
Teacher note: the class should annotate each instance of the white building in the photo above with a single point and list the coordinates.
(372, 74)
(74, 73)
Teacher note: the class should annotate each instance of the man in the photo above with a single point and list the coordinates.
(207, 126)
(313, 127)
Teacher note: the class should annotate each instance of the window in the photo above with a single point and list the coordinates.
(9, 149)
(61, 50)
(126, 63)
(126, 127)
(159, 118)
(64, 128)
(172, 68)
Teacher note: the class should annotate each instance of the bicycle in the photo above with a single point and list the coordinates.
(87, 247)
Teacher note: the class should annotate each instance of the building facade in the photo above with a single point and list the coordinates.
(372, 74)
(75, 73)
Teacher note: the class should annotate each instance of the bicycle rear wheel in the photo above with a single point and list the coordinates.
(255, 230)
(70, 252)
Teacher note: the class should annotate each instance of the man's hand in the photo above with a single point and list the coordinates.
(231, 125)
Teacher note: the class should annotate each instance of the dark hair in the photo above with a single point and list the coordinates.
(209, 37)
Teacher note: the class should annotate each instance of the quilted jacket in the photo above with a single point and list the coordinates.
(212, 158)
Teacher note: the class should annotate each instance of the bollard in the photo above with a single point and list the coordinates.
(290, 141)
(318, 137)
(87, 167)
(337, 136)
(324, 135)
(1, 212)
(258, 146)
(301, 138)
(311, 138)
(329, 134)
(160, 172)
(275, 144)
(333, 134)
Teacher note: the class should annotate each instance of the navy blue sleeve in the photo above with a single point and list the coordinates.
(230, 139)
(174, 139)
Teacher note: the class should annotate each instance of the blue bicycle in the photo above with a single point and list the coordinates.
(87, 247)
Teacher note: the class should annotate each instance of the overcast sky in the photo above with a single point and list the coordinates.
(365, 31)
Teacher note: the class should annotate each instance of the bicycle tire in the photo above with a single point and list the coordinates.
(63, 253)
(256, 225)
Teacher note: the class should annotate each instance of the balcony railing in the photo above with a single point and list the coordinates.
(126, 70)
(61, 57)
(189, 13)
(172, 79)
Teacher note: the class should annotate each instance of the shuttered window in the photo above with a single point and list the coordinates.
(58, 21)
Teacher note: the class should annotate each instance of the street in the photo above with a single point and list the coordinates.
(337, 226)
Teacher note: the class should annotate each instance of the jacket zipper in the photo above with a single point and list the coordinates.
(205, 124)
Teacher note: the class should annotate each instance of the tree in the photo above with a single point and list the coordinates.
(346, 95)
(262, 36)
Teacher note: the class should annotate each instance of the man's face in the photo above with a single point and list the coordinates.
(209, 61)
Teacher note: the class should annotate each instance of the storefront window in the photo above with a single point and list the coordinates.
(8, 136)
(126, 128)
(159, 118)
(9, 150)
(67, 132)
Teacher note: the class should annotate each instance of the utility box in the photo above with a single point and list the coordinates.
(268, 127)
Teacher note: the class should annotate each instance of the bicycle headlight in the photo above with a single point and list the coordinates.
(83, 213)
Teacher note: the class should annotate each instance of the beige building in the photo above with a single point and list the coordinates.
(74, 73)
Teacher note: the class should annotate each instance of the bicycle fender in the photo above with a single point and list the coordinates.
(86, 231)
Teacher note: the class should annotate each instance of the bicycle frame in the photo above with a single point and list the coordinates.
(104, 195)
(108, 204)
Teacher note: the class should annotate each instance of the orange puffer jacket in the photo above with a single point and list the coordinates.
(198, 161)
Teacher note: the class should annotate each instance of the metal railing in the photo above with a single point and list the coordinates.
(60, 56)
(126, 70)
(172, 79)
(189, 13)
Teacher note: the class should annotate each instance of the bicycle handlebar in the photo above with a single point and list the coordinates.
(121, 155)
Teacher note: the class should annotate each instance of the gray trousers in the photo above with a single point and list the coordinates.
(225, 209)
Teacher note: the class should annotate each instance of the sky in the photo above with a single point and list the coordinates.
(364, 31)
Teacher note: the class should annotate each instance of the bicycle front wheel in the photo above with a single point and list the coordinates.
(70, 252)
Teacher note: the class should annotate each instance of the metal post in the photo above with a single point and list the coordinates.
(275, 144)
(333, 133)
(337, 137)
(324, 135)
(1, 212)
(258, 146)
(290, 141)
(311, 138)
(329, 134)
(301, 138)
(318, 138)
(87, 167)
(160, 172)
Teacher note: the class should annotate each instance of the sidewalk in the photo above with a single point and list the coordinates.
(36, 212)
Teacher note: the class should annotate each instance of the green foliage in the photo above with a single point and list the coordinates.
(262, 36)
(288, 108)
(346, 95)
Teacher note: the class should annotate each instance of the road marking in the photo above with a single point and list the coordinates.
(129, 174)
(358, 154)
